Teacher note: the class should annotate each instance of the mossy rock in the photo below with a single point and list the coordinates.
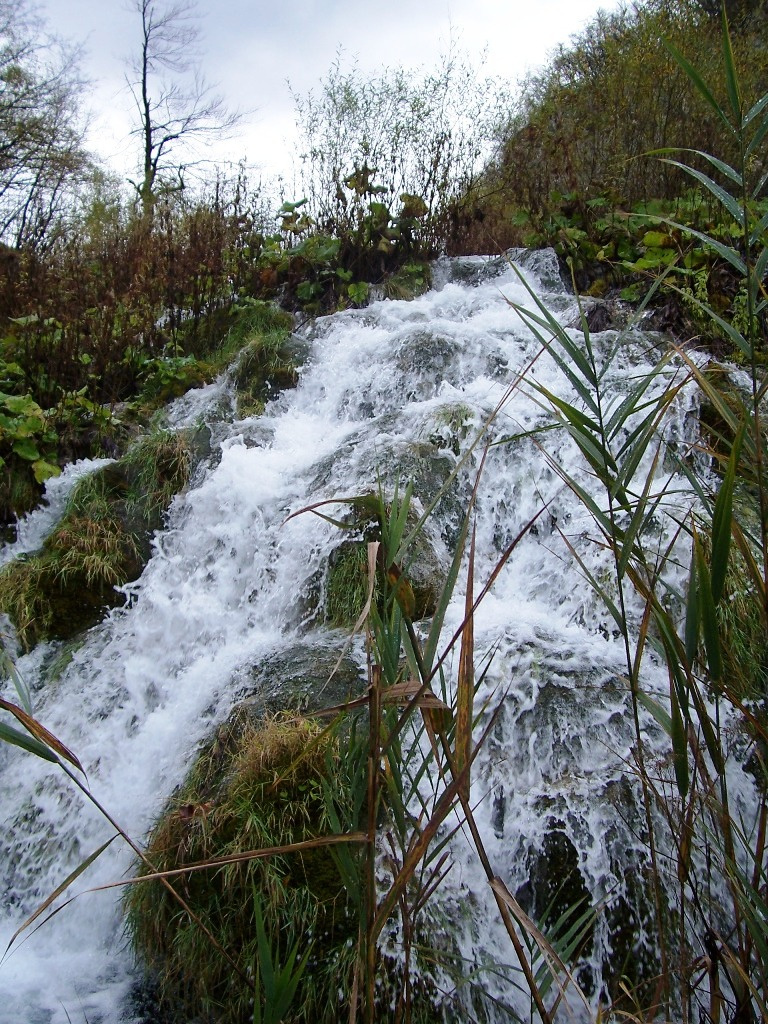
(557, 898)
(102, 542)
(555, 894)
(408, 281)
(258, 784)
(66, 587)
(422, 575)
(267, 365)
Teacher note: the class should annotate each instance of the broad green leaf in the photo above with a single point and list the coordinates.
(630, 405)
(44, 470)
(638, 443)
(22, 405)
(574, 415)
(658, 240)
(26, 449)
(586, 435)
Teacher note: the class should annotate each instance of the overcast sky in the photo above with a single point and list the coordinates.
(250, 49)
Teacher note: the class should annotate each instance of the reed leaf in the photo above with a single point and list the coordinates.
(701, 86)
(754, 145)
(725, 198)
(41, 734)
(731, 78)
(721, 520)
(679, 743)
(53, 896)
(709, 624)
(692, 616)
(755, 111)
(728, 253)
(656, 711)
(721, 165)
(757, 232)
(17, 738)
(466, 678)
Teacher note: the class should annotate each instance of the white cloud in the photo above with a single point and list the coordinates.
(252, 49)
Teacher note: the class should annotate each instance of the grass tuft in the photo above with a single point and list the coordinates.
(259, 784)
(101, 542)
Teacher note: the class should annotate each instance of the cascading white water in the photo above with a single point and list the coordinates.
(391, 391)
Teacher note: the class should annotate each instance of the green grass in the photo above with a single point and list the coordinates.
(101, 542)
(259, 784)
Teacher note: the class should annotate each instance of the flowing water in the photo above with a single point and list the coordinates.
(395, 391)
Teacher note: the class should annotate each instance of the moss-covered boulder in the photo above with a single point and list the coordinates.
(267, 365)
(422, 573)
(258, 784)
(267, 781)
(305, 678)
(101, 542)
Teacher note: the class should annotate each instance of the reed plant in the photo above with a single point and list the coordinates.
(706, 847)
(705, 856)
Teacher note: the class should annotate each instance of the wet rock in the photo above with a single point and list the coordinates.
(299, 678)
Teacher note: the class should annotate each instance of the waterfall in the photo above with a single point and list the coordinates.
(395, 391)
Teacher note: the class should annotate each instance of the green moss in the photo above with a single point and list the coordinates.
(408, 281)
(101, 542)
(452, 425)
(157, 467)
(264, 369)
(255, 786)
(65, 587)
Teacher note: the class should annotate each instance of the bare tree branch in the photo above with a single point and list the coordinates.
(42, 155)
(175, 105)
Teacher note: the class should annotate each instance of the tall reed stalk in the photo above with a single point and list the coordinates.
(703, 847)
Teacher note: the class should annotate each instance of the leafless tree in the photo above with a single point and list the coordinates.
(175, 106)
(42, 155)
